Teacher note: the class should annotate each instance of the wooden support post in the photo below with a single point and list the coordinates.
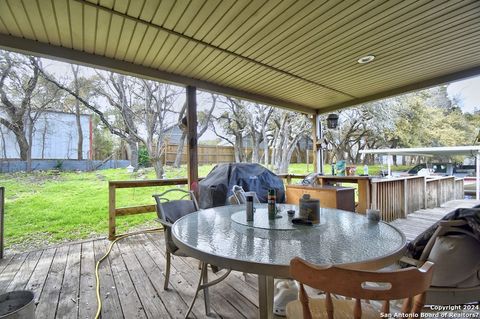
(2, 211)
(314, 140)
(111, 213)
(192, 151)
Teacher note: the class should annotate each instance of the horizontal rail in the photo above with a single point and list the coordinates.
(115, 212)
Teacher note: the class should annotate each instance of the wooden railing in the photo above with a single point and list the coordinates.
(397, 197)
(442, 189)
(114, 211)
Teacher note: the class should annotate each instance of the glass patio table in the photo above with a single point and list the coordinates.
(222, 236)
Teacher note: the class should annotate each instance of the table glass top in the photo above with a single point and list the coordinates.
(341, 237)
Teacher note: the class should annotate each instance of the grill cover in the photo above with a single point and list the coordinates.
(217, 186)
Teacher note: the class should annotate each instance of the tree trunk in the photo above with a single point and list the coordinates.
(179, 155)
(158, 167)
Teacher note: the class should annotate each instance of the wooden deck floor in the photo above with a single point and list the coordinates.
(63, 278)
(417, 222)
(63, 281)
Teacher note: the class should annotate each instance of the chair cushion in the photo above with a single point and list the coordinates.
(177, 208)
(457, 261)
(341, 309)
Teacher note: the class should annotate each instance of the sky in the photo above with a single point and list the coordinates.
(468, 92)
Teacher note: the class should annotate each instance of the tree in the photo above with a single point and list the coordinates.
(24, 96)
(233, 122)
(288, 128)
(204, 119)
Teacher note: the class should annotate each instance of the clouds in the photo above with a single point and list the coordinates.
(468, 93)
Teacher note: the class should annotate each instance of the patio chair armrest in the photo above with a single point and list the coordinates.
(411, 261)
(164, 223)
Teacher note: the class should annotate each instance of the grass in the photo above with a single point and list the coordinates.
(43, 208)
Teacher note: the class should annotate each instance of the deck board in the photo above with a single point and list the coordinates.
(420, 220)
(63, 278)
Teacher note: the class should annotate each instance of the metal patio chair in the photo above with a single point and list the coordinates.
(169, 211)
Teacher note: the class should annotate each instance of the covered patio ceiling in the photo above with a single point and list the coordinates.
(300, 55)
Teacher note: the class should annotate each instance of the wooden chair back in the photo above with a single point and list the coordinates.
(409, 284)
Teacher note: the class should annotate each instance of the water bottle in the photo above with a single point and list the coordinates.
(365, 169)
(333, 169)
(250, 209)
(271, 206)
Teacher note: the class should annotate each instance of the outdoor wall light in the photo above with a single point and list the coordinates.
(332, 120)
(366, 59)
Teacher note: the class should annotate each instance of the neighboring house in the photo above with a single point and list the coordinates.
(173, 135)
(55, 137)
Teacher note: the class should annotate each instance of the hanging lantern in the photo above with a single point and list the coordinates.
(332, 121)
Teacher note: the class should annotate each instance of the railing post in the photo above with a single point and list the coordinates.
(2, 211)
(405, 198)
(111, 212)
(425, 196)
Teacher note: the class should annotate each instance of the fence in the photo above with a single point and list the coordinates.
(216, 154)
(114, 212)
(14, 165)
(397, 197)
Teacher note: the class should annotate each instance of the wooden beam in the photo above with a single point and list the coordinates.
(192, 139)
(314, 142)
(45, 50)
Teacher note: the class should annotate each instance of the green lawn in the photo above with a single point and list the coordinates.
(42, 208)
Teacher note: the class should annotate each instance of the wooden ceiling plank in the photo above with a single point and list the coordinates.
(187, 57)
(391, 42)
(230, 24)
(114, 35)
(76, 19)
(422, 47)
(222, 65)
(135, 8)
(200, 64)
(23, 19)
(359, 42)
(232, 70)
(408, 50)
(150, 9)
(9, 19)
(329, 45)
(176, 14)
(201, 17)
(280, 25)
(163, 12)
(189, 14)
(125, 39)
(136, 42)
(340, 17)
(402, 78)
(254, 24)
(35, 20)
(167, 46)
(61, 11)
(104, 25)
(204, 27)
(447, 64)
(146, 44)
(89, 25)
(157, 45)
(172, 57)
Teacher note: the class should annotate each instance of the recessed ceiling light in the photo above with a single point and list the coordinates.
(366, 59)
